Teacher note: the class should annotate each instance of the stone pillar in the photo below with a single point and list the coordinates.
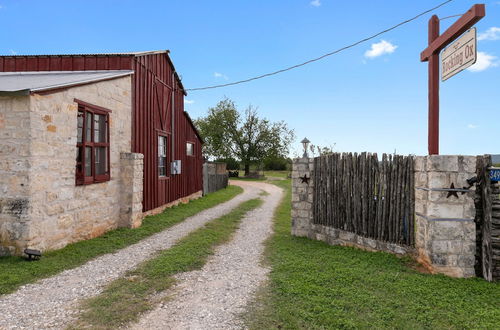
(445, 228)
(132, 173)
(302, 196)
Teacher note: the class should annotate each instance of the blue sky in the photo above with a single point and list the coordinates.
(356, 101)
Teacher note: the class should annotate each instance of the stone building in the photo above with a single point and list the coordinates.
(82, 153)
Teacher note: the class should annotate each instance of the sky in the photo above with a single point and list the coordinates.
(372, 97)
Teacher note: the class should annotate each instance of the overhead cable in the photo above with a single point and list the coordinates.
(322, 56)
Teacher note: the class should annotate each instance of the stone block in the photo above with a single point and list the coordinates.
(346, 236)
(466, 261)
(446, 231)
(420, 164)
(446, 211)
(442, 163)
(439, 259)
(438, 180)
(467, 164)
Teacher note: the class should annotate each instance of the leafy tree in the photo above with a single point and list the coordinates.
(277, 164)
(246, 137)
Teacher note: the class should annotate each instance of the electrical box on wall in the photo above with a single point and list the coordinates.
(175, 167)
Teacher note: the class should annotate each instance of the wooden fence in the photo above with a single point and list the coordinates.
(370, 197)
(215, 177)
(487, 222)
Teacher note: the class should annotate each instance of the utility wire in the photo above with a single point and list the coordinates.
(323, 56)
(442, 19)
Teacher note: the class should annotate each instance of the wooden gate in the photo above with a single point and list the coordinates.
(367, 196)
(487, 222)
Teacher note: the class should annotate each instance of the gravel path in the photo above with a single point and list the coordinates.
(213, 297)
(53, 302)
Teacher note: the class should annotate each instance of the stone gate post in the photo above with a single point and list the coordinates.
(302, 196)
(445, 235)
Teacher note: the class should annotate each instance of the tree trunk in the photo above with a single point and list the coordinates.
(247, 169)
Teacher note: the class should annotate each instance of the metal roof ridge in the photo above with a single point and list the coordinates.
(139, 53)
(22, 73)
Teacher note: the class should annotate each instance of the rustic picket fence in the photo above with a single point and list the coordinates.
(215, 177)
(370, 197)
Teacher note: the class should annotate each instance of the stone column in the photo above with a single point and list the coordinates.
(445, 228)
(132, 173)
(302, 196)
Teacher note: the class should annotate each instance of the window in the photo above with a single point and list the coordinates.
(190, 149)
(92, 145)
(162, 155)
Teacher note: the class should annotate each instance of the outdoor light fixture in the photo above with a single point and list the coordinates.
(33, 254)
(305, 143)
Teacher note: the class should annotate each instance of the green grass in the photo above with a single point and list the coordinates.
(15, 271)
(316, 286)
(125, 299)
(276, 174)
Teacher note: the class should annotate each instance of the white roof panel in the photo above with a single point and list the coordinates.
(27, 82)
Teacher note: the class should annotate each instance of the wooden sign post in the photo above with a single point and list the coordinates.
(431, 54)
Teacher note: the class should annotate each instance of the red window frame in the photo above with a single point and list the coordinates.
(167, 163)
(88, 109)
(193, 150)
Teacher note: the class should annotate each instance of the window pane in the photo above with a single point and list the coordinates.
(78, 154)
(100, 128)
(189, 149)
(88, 128)
(79, 160)
(100, 160)
(88, 161)
(80, 127)
(162, 155)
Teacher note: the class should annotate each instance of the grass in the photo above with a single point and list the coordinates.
(15, 271)
(316, 286)
(268, 176)
(276, 174)
(125, 299)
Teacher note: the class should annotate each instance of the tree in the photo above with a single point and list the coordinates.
(246, 137)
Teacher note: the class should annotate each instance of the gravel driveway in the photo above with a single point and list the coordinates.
(52, 302)
(213, 297)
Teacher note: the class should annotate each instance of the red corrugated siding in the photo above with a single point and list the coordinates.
(152, 105)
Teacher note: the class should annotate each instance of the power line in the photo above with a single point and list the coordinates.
(441, 19)
(322, 56)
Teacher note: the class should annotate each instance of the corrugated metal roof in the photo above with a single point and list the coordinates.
(23, 83)
(148, 52)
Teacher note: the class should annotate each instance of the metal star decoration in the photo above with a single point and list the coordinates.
(305, 179)
(452, 193)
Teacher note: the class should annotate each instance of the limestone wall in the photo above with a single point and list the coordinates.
(42, 131)
(14, 172)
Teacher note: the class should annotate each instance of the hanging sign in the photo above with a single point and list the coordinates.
(459, 55)
(495, 174)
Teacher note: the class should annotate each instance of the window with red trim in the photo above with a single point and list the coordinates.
(162, 156)
(92, 145)
(189, 149)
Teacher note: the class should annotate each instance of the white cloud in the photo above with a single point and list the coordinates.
(493, 33)
(188, 101)
(380, 48)
(220, 75)
(315, 3)
(484, 61)
(472, 126)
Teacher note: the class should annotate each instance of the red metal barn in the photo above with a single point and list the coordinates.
(161, 129)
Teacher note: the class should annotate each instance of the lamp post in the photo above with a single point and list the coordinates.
(305, 143)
